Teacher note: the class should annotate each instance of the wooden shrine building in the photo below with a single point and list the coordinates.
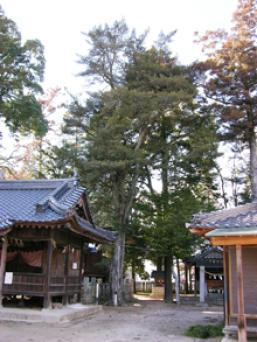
(208, 272)
(236, 230)
(44, 226)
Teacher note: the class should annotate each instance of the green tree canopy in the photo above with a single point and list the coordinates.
(228, 79)
(21, 71)
(146, 121)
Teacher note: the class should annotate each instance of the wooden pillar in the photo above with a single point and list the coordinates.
(2, 266)
(66, 274)
(241, 320)
(226, 285)
(81, 266)
(202, 284)
(49, 255)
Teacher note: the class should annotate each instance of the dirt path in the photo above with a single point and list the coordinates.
(151, 321)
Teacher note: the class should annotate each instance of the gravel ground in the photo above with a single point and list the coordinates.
(151, 321)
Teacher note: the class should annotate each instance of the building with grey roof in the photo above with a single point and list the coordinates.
(44, 226)
(235, 230)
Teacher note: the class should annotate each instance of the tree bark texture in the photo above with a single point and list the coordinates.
(167, 279)
(123, 202)
(134, 277)
(253, 165)
(159, 264)
(186, 278)
(117, 269)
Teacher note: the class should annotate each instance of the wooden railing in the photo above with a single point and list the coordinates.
(33, 284)
(25, 283)
(73, 284)
(215, 283)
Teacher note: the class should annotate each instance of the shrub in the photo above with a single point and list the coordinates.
(204, 331)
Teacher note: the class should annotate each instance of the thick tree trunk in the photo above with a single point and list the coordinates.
(253, 165)
(167, 279)
(159, 264)
(123, 206)
(186, 278)
(117, 270)
(134, 277)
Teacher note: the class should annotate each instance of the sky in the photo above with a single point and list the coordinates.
(59, 23)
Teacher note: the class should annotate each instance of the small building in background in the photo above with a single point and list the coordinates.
(236, 231)
(208, 274)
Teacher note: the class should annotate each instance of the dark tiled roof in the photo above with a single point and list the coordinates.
(94, 230)
(241, 216)
(5, 222)
(43, 201)
(209, 257)
(37, 201)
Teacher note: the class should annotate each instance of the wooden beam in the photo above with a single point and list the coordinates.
(247, 316)
(233, 240)
(241, 320)
(39, 234)
(2, 266)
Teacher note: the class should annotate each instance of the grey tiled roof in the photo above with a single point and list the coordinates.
(211, 257)
(31, 201)
(241, 216)
(97, 231)
(43, 201)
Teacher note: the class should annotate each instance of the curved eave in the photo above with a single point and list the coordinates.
(201, 231)
(5, 231)
(91, 233)
(79, 227)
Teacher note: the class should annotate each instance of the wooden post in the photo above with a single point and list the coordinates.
(2, 266)
(226, 286)
(241, 320)
(47, 296)
(81, 266)
(66, 274)
(202, 284)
